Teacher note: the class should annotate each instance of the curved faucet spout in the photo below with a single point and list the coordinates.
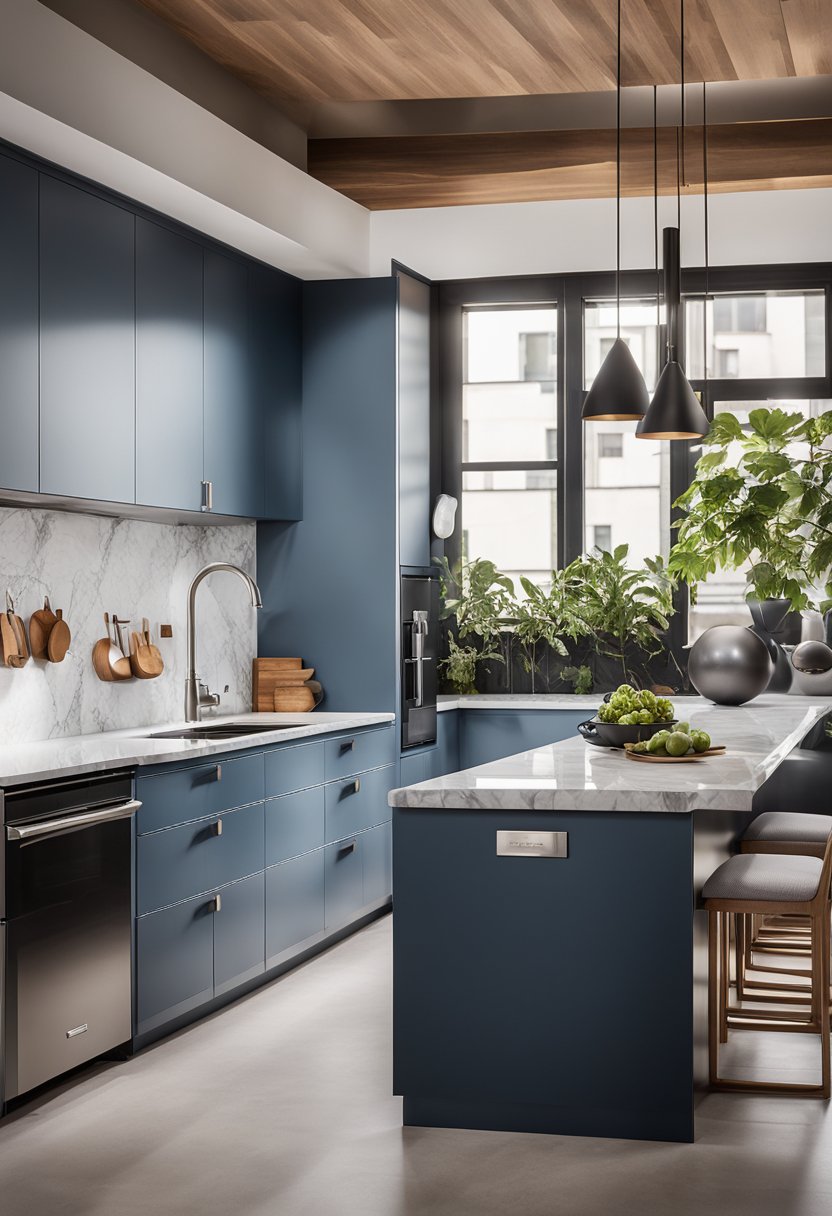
(194, 698)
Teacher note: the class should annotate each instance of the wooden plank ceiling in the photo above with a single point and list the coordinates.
(306, 52)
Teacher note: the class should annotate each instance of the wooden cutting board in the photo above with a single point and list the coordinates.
(265, 678)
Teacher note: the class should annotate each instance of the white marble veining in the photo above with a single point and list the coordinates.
(573, 775)
(52, 758)
(87, 564)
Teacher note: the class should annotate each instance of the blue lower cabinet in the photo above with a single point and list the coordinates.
(294, 904)
(447, 742)
(239, 933)
(344, 880)
(377, 856)
(174, 962)
(415, 767)
(239, 847)
(358, 802)
(487, 735)
(294, 824)
(194, 792)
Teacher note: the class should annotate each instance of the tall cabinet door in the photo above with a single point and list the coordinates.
(18, 325)
(87, 352)
(234, 462)
(275, 337)
(168, 368)
(414, 420)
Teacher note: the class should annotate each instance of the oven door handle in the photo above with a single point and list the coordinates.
(31, 833)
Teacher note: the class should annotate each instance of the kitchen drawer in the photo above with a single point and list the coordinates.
(377, 856)
(192, 793)
(174, 962)
(239, 933)
(294, 824)
(294, 768)
(343, 881)
(359, 752)
(294, 903)
(180, 862)
(357, 803)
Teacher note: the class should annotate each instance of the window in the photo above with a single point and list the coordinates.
(602, 537)
(610, 445)
(635, 489)
(509, 420)
(720, 600)
(761, 336)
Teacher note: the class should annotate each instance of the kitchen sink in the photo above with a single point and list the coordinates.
(223, 730)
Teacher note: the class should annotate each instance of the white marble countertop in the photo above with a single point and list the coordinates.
(519, 700)
(573, 775)
(53, 758)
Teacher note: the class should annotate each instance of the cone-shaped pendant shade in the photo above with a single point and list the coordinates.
(618, 392)
(674, 412)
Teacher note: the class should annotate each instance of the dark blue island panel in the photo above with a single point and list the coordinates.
(545, 995)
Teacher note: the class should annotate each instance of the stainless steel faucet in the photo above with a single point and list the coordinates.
(197, 695)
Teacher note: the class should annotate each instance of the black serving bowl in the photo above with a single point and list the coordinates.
(610, 734)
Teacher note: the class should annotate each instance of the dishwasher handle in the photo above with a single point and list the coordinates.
(47, 829)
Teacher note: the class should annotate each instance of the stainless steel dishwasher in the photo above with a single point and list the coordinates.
(65, 920)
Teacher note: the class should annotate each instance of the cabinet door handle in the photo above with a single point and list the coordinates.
(346, 849)
(216, 904)
(348, 745)
(218, 773)
(216, 828)
(354, 787)
(207, 496)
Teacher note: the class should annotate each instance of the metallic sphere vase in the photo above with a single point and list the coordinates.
(729, 664)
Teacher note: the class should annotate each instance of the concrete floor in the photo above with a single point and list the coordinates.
(281, 1105)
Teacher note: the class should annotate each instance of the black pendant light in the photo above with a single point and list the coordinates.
(675, 411)
(618, 392)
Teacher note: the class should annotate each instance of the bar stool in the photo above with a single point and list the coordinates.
(783, 833)
(769, 885)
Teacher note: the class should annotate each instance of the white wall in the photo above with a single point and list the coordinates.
(579, 235)
(87, 565)
(71, 99)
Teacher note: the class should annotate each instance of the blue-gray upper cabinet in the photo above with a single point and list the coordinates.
(18, 325)
(234, 464)
(275, 353)
(168, 368)
(87, 345)
(414, 420)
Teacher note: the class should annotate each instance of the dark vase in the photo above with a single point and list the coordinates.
(769, 617)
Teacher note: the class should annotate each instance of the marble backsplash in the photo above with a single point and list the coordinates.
(87, 564)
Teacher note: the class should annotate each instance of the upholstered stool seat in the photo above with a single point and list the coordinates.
(765, 877)
(790, 832)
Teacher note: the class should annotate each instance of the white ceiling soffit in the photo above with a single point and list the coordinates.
(67, 97)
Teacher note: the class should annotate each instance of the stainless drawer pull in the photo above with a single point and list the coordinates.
(218, 773)
(216, 904)
(346, 849)
(71, 1034)
(216, 828)
(348, 745)
(354, 787)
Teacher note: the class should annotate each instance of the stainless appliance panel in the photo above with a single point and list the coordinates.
(419, 632)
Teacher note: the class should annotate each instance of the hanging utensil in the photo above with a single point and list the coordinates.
(41, 623)
(59, 639)
(15, 649)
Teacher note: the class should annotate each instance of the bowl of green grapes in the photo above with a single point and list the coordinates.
(629, 715)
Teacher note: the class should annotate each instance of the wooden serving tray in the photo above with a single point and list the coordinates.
(712, 751)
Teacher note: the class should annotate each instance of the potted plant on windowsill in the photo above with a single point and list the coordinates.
(548, 617)
(480, 601)
(762, 497)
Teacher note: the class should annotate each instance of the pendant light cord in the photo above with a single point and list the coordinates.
(707, 242)
(618, 180)
(682, 76)
(656, 229)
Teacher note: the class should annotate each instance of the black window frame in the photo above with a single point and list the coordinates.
(569, 293)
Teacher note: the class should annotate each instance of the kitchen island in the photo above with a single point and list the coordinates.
(550, 960)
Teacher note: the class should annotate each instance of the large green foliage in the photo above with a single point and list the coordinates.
(771, 508)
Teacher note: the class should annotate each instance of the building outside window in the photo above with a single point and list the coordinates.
(509, 420)
(602, 537)
(610, 445)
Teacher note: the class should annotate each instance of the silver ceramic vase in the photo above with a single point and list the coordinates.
(729, 664)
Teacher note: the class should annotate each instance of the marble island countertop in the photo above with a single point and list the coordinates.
(54, 758)
(573, 775)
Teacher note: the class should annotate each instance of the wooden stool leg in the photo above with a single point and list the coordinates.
(714, 990)
(725, 975)
(739, 954)
(822, 931)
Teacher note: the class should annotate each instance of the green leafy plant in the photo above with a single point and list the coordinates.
(624, 608)
(772, 508)
(477, 595)
(580, 678)
(460, 667)
(545, 616)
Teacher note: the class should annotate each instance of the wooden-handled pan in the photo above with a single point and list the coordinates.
(13, 637)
